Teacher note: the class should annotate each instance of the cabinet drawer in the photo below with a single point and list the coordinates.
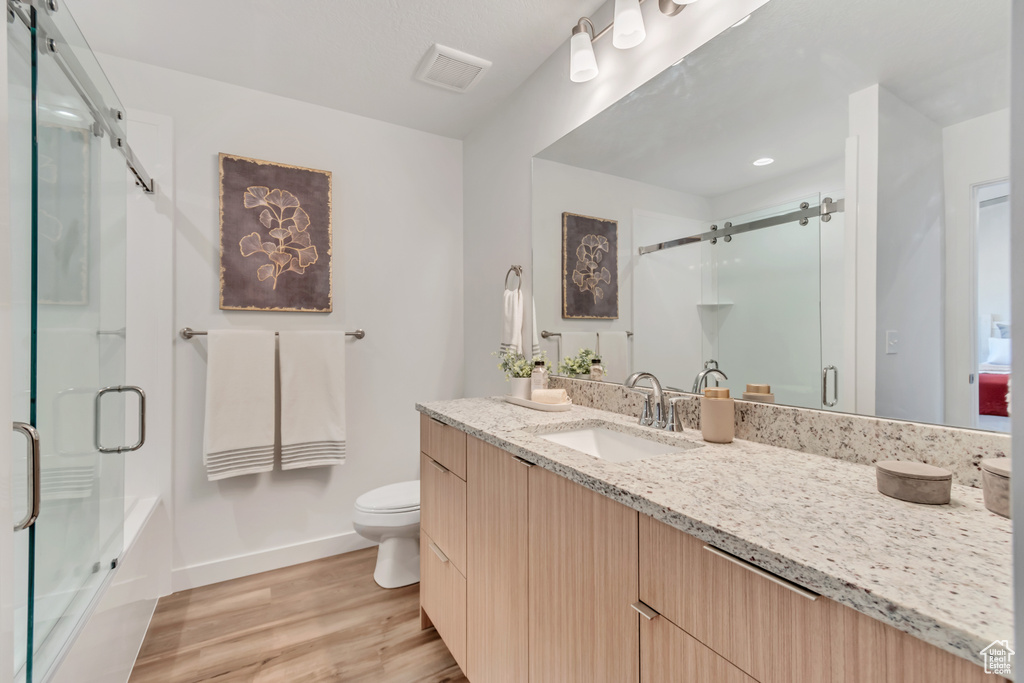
(443, 509)
(446, 445)
(772, 630)
(443, 597)
(668, 653)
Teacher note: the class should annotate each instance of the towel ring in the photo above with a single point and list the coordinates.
(518, 270)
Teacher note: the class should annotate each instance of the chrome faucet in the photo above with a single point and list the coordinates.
(702, 377)
(657, 417)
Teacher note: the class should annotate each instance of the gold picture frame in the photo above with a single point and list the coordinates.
(276, 237)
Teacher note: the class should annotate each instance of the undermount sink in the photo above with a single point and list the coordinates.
(611, 445)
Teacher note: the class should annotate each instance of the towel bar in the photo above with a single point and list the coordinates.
(188, 333)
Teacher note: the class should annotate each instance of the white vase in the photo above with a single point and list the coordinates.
(521, 387)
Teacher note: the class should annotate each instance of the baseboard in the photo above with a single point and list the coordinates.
(245, 565)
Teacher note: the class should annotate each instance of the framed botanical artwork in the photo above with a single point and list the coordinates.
(275, 236)
(590, 267)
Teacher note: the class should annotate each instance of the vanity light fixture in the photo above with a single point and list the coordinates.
(764, 161)
(628, 31)
(628, 28)
(582, 62)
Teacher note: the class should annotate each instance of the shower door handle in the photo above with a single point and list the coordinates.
(835, 386)
(34, 456)
(142, 419)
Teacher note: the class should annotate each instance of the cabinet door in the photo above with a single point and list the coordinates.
(668, 654)
(583, 579)
(867, 651)
(498, 569)
(772, 630)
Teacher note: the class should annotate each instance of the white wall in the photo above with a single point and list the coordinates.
(558, 188)
(397, 273)
(909, 384)
(826, 179)
(498, 154)
(975, 152)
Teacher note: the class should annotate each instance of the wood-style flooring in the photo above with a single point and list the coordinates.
(320, 621)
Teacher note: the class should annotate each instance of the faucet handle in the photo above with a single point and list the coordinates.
(646, 418)
(659, 415)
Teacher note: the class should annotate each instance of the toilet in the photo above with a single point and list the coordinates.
(390, 516)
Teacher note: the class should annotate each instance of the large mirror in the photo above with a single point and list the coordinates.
(816, 200)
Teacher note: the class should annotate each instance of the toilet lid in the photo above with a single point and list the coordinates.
(401, 497)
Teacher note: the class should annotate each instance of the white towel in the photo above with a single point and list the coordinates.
(239, 435)
(613, 348)
(536, 332)
(312, 399)
(572, 342)
(512, 322)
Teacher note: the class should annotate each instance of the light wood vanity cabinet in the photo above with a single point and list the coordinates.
(443, 509)
(444, 444)
(583, 579)
(668, 653)
(498, 562)
(528, 576)
(772, 630)
(443, 598)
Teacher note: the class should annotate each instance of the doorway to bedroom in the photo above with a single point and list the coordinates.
(992, 203)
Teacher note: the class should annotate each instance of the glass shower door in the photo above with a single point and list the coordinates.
(768, 307)
(75, 240)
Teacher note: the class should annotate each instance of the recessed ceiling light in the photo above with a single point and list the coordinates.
(681, 60)
(742, 21)
(764, 161)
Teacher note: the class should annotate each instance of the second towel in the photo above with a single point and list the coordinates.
(312, 399)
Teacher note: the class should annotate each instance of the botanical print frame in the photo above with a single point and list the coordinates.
(590, 267)
(275, 236)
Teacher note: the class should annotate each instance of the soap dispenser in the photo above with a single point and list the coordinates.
(762, 393)
(717, 415)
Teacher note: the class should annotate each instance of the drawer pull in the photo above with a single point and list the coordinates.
(803, 592)
(525, 463)
(439, 466)
(644, 610)
(437, 551)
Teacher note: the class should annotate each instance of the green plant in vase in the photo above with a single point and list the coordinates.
(578, 365)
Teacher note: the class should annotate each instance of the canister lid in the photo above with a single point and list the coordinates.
(716, 392)
(759, 389)
(997, 466)
(914, 470)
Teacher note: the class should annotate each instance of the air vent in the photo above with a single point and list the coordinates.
(450, 69)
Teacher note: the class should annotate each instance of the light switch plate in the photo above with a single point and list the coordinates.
(892, 340)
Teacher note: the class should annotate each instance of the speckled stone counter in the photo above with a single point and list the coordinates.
(942, 574)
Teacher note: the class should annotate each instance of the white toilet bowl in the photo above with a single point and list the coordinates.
(390, 516)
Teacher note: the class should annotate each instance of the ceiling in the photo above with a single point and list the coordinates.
(778, 86)
(357, 56)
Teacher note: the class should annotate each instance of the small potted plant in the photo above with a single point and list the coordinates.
(518, 371)
(578, 366)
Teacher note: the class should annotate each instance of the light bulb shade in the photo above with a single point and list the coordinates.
(628, 30)
(582, 62)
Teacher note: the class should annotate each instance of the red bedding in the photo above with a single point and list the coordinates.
(992, 394)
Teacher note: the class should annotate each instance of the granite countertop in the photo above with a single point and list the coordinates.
(940, 573)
